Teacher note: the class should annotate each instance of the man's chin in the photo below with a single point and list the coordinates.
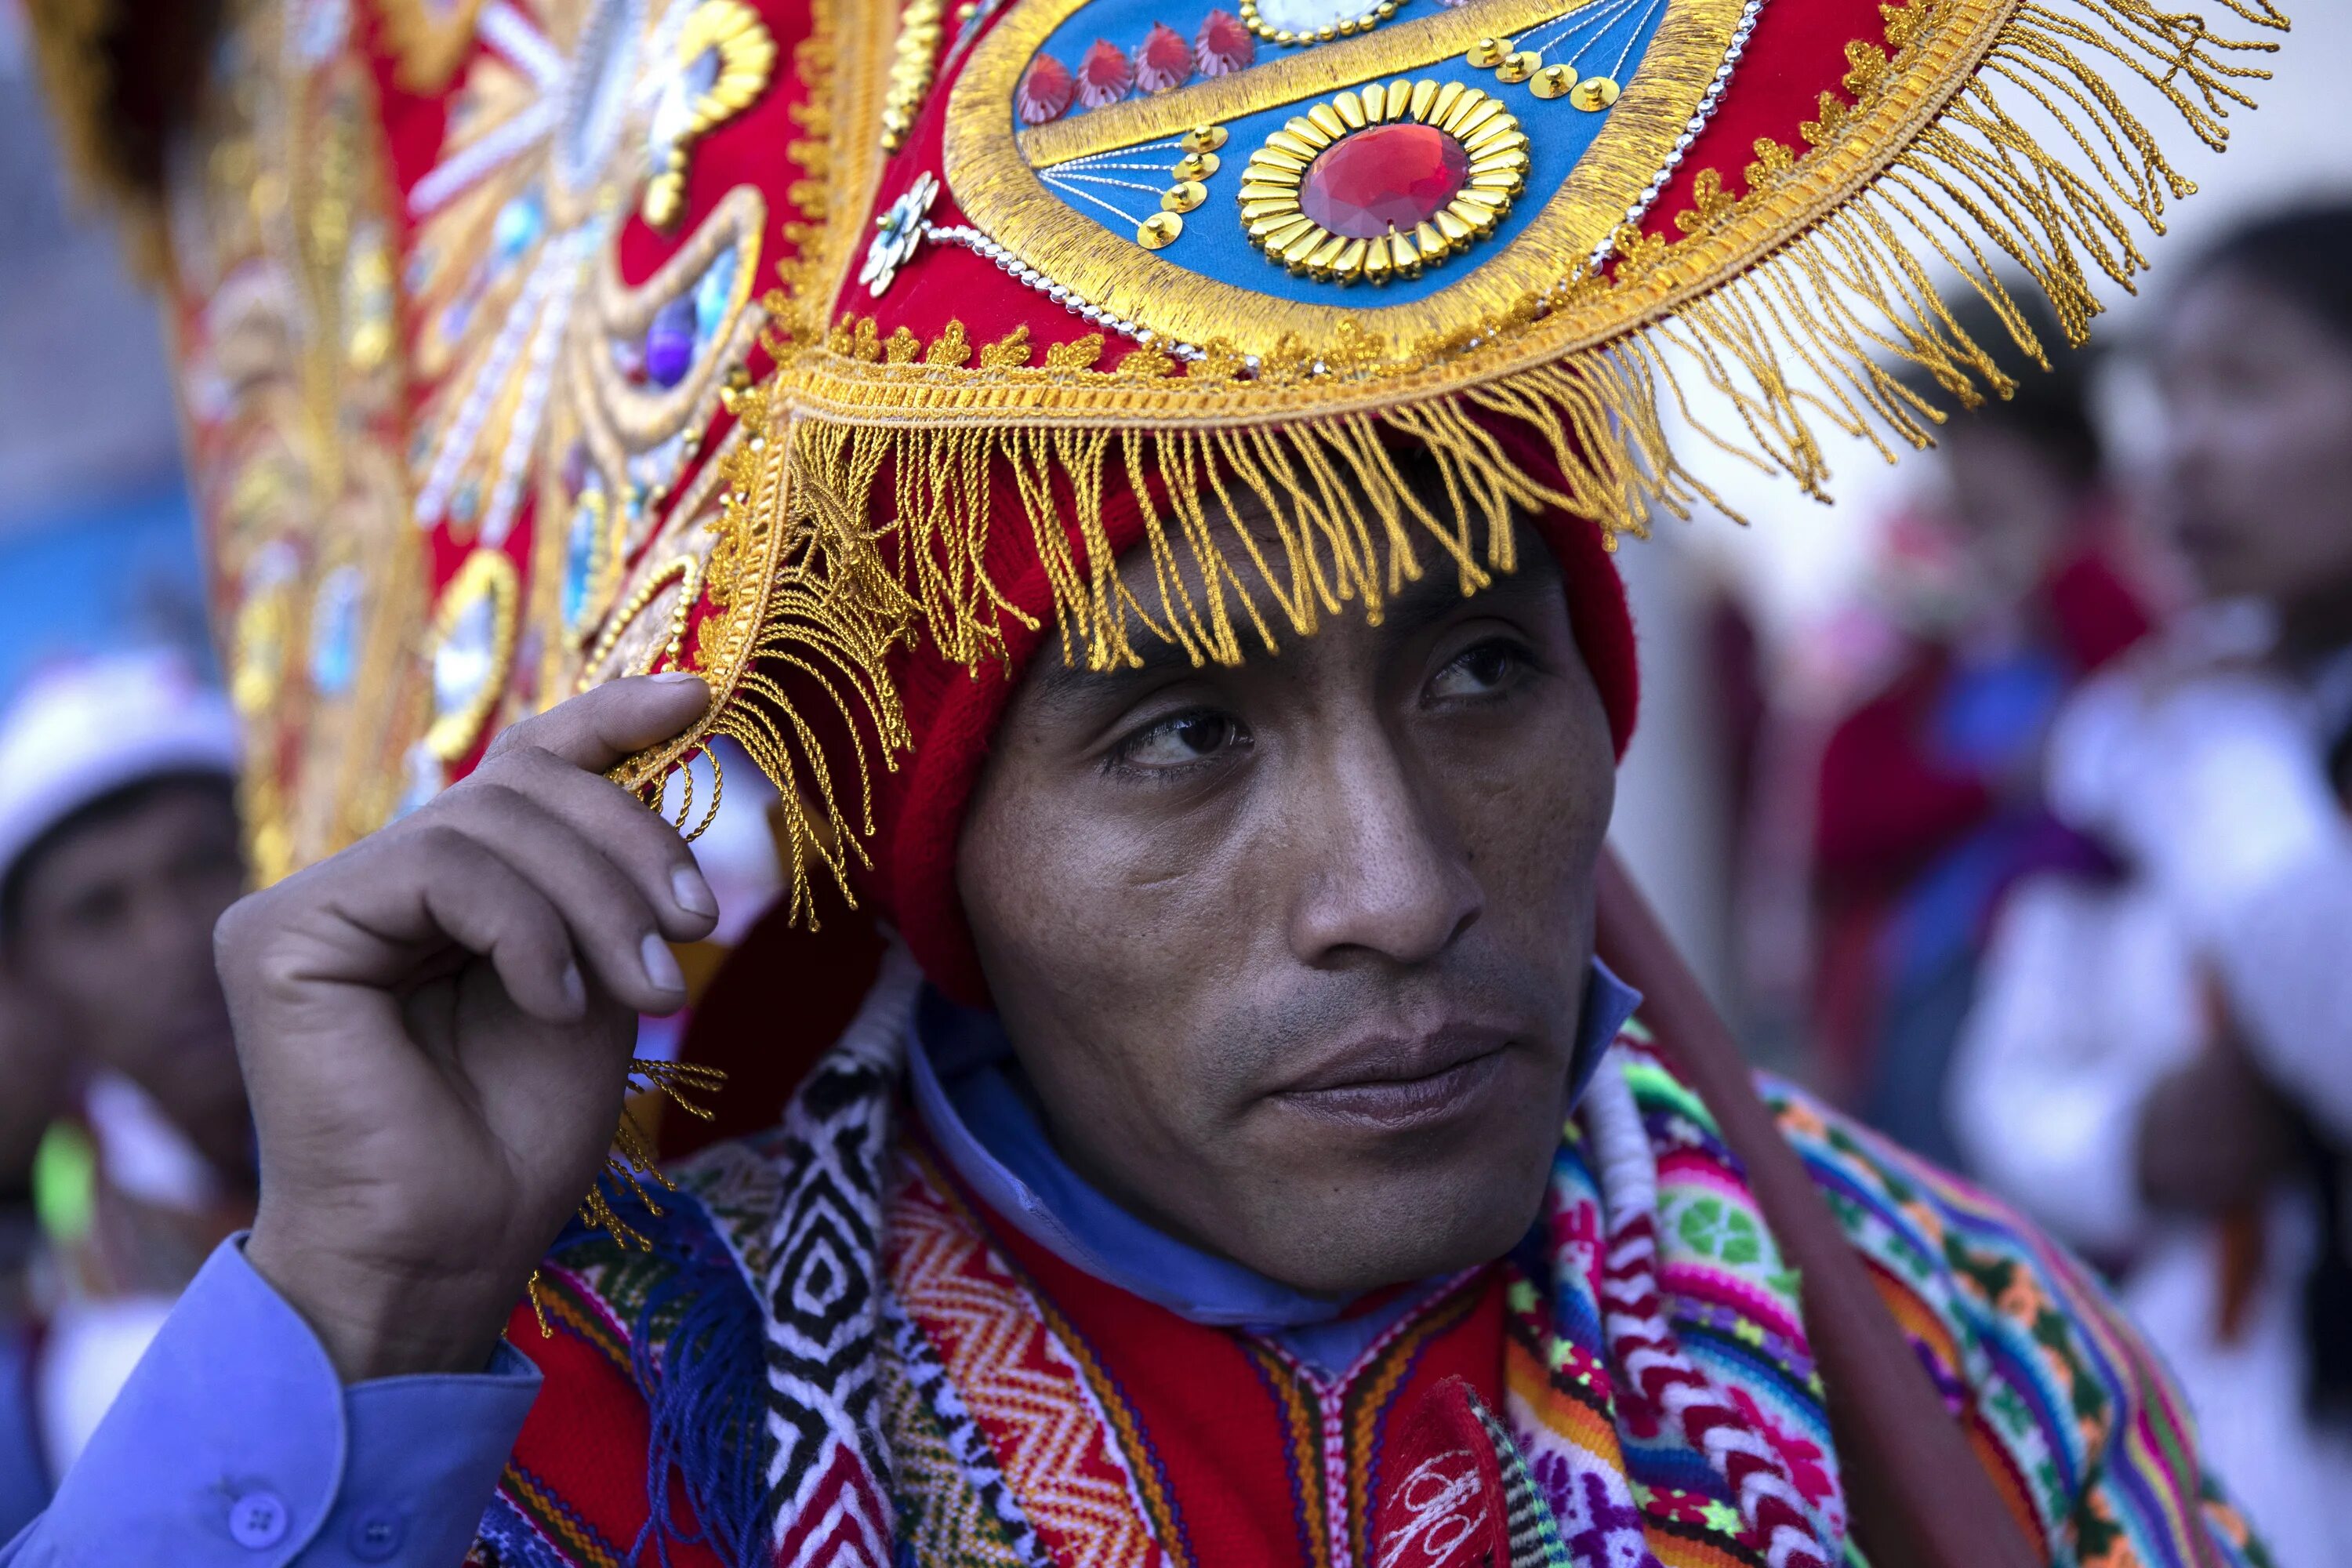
(1356, 1220)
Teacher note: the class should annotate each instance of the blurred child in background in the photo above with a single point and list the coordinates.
(2006, 592)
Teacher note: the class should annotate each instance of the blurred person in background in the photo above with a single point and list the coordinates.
(1927, 804)
(119, 851)
(2161, 1066)
(33, 1092)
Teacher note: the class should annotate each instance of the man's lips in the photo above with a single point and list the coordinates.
(1394, 1084)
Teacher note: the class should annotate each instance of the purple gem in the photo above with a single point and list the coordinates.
(669, 343)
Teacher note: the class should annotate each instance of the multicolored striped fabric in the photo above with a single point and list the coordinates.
(1634, 1378)
(2079, 1421)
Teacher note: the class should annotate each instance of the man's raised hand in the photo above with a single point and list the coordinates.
(435, 1028)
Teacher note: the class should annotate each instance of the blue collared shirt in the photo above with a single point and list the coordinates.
(234, 1443)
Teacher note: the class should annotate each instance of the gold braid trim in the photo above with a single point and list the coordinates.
(821, 619)
(1969, 186)
(861, 514)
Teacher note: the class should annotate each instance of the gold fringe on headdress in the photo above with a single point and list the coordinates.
(1788, 302)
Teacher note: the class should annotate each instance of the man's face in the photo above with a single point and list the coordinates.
(1292, 954)
(2259, 394)
(115, 928)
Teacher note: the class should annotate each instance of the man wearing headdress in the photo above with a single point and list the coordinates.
(1192, 636)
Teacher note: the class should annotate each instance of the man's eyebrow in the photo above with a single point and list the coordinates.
(1436, 593)
(1068, 688)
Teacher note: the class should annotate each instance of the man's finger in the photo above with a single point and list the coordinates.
(644, 845)
(598, 728)
(614, 927)
(436, 886)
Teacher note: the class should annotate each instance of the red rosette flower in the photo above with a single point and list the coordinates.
(1104, 75)
(1164, 60)
(1045, 90)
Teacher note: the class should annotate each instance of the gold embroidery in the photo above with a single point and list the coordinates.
(479, 605)
(1710, 202)
(911, 64)
(1146, 361)
(679, 579)
(1008, 351)
(1078, 354)
(298, 474)
(746, 60)
(1407, 46)
(951, 348)
(1346, 28)
(780, 595)
(1494, 155)
(998, 178)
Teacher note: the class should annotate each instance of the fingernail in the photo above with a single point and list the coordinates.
(575, 990)
(676, 677)
(661, 965)
(692, 893)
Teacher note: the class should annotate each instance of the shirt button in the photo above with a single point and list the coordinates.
(258, 1520)
(375, 1535)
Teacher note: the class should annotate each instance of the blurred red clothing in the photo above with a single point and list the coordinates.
(1946, 752)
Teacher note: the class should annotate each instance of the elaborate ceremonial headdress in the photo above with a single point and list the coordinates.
(837, 351)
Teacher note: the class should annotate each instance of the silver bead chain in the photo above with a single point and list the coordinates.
(1689, 139)
(971, 240)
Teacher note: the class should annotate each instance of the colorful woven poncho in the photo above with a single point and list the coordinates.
(834, 1355)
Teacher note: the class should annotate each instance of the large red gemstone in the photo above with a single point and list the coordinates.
(1381, 178)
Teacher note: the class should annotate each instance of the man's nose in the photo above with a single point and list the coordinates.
(1383, 872)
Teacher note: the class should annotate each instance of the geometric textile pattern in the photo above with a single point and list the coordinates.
(1020, 1384)
(821, 1291)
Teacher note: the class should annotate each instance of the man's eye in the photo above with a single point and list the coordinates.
(1479, 671)
(1185, 739)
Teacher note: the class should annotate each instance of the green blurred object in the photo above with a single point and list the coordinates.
(65, 1182)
